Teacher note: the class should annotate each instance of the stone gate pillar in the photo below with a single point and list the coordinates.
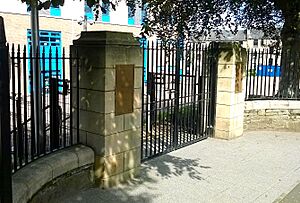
(230, 96)
(110, 80)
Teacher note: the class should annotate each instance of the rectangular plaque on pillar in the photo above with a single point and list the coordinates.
(239, 78)
(124, 89)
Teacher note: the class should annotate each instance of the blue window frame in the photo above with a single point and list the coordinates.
(88, 12)
(130, 16)
(55, 11)
(106, 16)
(48, 39)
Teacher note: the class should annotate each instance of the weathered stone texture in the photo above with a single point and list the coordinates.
(272, 115)
(115, 138)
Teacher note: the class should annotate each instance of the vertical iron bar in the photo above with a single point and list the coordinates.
(163, 61)
(71, 95)
(275, 73)
(194, 123)
(177, 93)
(32, 127)
(270, 63)
(78, 96)
(194, 73)
(251, 73)
(161, 75)
(174, 51)
(51, 130)
(25, 103)
(151, 81)
(58, 115)
(184, 116)
(65, 91)
(44, 101)
(37, 95)
(264, 77)
(19, 111)
(188, 111)
(168, 130)
(257, 75)
(181, 95)
(143, 102)
(198, 118)
(247, 76)
(15, 147)
(5, 136)
(147, 44)
(156, 99)
(206, 69)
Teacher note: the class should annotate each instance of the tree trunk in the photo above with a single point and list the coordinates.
(290, 57)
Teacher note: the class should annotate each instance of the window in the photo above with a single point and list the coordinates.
(105, 15)
(88, 11)
(55, 11)
(52, 11)
(262, 42)
(130, 16)
(255, 42)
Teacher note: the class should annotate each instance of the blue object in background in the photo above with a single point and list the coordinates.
(106, 16)
(130, 16)
(48, 39)
(271, 71)
(55, 11)
(130, 21)
(88, 12)
(143, 45)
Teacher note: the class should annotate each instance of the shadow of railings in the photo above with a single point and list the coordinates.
(147, 187)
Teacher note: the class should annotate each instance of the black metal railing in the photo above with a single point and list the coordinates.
(5, 142)
(272, 74)
(179, 90)
(56, 118)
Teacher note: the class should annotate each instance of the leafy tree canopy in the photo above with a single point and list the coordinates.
(194, 18)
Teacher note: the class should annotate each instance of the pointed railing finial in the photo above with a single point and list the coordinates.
(2, 32)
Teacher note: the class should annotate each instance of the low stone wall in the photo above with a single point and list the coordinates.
(30, 182)
(272, 115)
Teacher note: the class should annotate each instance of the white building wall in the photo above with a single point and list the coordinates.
(13, 6)
(72, 9)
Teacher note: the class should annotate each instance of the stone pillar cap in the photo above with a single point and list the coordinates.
(106, 38)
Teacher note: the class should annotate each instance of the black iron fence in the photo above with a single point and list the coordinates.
(56, 117)
(272, 74)
(179, 91)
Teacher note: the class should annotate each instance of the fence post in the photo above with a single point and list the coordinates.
(5, 159)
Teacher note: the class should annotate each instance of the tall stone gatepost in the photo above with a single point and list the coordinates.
(110, 82)
(230, 96)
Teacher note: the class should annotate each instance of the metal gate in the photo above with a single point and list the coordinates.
(179, 91)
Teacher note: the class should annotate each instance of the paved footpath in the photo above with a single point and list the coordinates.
(257, 167)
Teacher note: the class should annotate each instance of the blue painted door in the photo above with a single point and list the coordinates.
(50, 43)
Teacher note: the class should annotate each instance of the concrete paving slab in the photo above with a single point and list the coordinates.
(257, 167)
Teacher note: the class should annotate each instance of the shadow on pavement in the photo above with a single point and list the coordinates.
(146, 187)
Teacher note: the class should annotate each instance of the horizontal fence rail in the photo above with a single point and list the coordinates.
(272, 74)
(56, 96)
(178, 95)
